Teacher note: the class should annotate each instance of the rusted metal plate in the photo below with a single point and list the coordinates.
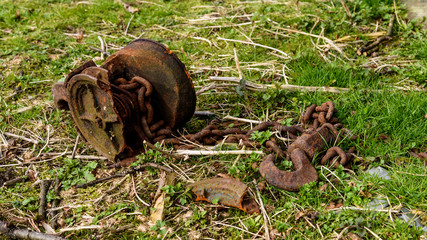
(174, 97)
(227, 191)
(93, 111)
(60, 96)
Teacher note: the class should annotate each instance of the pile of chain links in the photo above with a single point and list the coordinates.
(319, 116)
(140, 90)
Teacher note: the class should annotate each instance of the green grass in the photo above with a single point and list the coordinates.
(40, 44)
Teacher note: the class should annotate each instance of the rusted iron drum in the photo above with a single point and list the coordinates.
(110, 116)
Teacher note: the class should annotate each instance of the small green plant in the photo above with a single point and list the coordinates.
(74, 172)
(159, 227)
(149, 155)
(178, 192)
(261, 137)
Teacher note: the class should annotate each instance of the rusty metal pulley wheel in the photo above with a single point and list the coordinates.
(141, 92)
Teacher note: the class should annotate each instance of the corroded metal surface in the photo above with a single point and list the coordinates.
(300, 153)
(312, 142)
(141, 92)
(291, 181)
(226, 191)
(174, 95)
(93, 111)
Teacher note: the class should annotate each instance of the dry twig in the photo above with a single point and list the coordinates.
(122, 174)
(12, 232)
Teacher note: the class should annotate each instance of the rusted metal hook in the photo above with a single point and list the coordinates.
(291, 181)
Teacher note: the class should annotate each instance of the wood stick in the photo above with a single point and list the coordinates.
(28, 163)
(378, 41)
(150, 145)
(55, 202)
(257, 87)
(75, 146)
(391, 25)
(88, 157)
(207, 114)
(44, 188)
(264, 213)
(236, 59)
(255, 44)
(79, 228)
(14, 181)
(21, 137)
(212, 152)
(136, 193)
(228, 117)
(364, 209)
(12, 232)
(347, 11)
(374, 234)
(329, 41)
(121, 174)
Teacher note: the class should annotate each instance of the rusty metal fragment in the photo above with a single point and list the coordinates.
(226, 191)
(291, 181)
(331, 154)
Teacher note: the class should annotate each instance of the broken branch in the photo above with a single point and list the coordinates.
(44, 188)
(12, 232)
(122, 174)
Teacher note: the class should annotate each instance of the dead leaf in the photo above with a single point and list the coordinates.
(383, 137)
(54, 56)
(422, 155)
(27, 156)
(18, 15)
(299, 215)
(255, 166)
(143, 228)
(323, 187)
(159, 205)
(352, 184)
(261, 186)
(80, 34)
(353, 236)
(61, 222)
(16, 60)
(368, 195)
(274, 234)
(68, 193)
(187, 216)
(130, 9)
(32, 176)
(330, 206)
(193, 235)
